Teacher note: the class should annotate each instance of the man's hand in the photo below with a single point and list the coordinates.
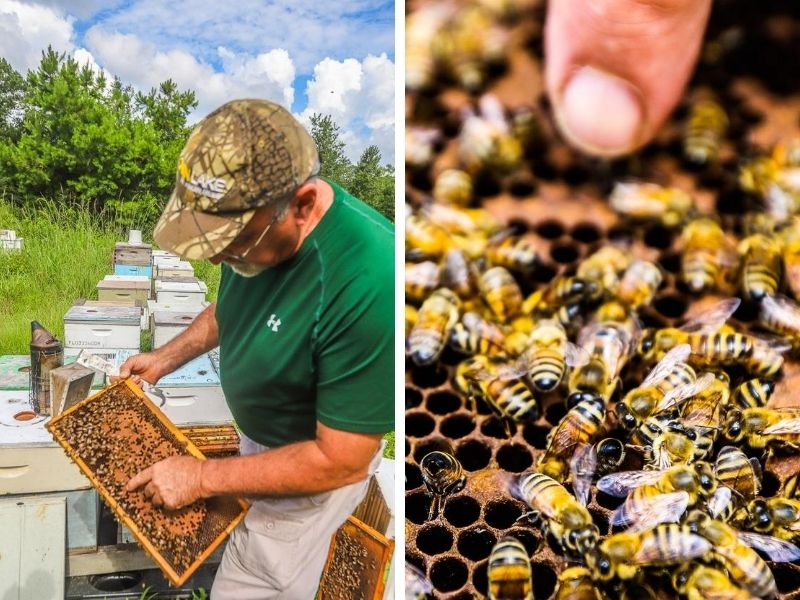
(173, 483)
(615, 69)
(146, 366)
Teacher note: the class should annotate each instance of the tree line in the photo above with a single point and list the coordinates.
(70, 134)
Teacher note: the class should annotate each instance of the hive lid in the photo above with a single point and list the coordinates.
(190, 285)
(19, 425)
(170, 318)
(112, 284)
(110, 315)
(197, 372)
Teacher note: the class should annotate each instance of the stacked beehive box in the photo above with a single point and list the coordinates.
(9, 240)
(133, 257)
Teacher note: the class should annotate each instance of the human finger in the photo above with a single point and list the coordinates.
(615, 69)
(138, 480)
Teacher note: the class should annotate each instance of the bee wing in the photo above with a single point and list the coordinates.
(711, 319)
(719, 500)
(417, 583)
(644, 513)
(778, 202)
(780, 308)
(635, 197)
(424, 273)
(771, 342)
(684, 546)
(583, 466)
(790, 426)
(501, 235)
(776, 549)
(519, 368)
(622, 483)
(682, 392)
(574, 355)
(704, 411)
(664, 367)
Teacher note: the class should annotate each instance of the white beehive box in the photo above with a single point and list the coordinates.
(165, 325)
(198, 372)
(123, 287)
(102, 327)
(83, 508)
(192, 406)
(184, 289)
(32, 548)
(174, 269)
(30, 461)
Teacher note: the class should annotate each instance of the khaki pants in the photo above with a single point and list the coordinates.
(280, 547)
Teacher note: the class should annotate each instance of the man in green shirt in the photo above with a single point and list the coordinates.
(304, 322)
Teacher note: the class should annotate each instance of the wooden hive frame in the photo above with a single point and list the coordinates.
(216, 507)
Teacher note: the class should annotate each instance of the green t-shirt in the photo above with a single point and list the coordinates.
(312, 339)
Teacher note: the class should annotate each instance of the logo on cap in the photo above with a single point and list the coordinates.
(202, 185)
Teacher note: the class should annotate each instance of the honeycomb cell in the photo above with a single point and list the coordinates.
(462, 511)
(550, 230)
(659, 237)
(442, 403)
(418, 504)
(530, 540)
(671, 306)
(434, 539)
(564, 253)
(476, 543)
(501, 514)
(413, 397)
(544, 581)
(449, 574)
(419, 424)
(495, 427)
(514, 458)
(480, 579)
(413, 476)
(429, 377)
(473, 455)
(457, 426)
(586, 233)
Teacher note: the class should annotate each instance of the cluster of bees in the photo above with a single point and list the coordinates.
(116, 437)
(683, 442)
(696, 430)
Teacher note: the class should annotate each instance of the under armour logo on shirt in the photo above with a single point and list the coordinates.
(274, 323)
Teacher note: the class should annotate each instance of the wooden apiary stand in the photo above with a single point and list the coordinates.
(102, 327)
(96, 430)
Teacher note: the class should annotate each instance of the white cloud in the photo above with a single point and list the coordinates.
(359, 97)
(27, 29)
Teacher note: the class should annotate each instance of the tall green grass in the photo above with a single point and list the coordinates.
(67, 250)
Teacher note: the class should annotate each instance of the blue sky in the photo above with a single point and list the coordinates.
(335, 58)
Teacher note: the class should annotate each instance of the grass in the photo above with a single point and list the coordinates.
(66, 252)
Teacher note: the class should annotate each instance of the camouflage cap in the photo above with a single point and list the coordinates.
(244, 155)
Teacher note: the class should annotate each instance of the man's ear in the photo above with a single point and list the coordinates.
(304, 199)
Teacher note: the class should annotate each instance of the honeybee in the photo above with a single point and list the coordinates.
(700, 582)
(457, 220)
(753, 393)
(705, 128)
(736, 471)
(510, 399)
(775, 516)
(563, 291)
(453, 186)
(580, 426)
(548, 355)
(485, 141)
(525, 127)
(560, 513)
(669, 442)
(781, 315)
(712, 348)
(610, 454)
(605, 266)
(657, 496)
(443, 475)
(422, 26)
(425, 238)
(410, 317)
(704, 409)
(512, 252)
(670, 381)
(421, 279)
(761, 266)
(509, 571)
(706, 253)
(457, 274)
(650, 201)
(608, 345)
(576, 583)
(419, 145)
(759, 427)
(435, 319)
(732, 548)
(789, 234)
(501, 293)
(622, 555)
(417, 585)
(475, 335)
(639, 284)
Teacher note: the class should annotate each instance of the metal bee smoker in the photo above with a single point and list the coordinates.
(47, 353)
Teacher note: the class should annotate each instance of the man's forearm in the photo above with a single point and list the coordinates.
(297, 469)
(200, 337)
